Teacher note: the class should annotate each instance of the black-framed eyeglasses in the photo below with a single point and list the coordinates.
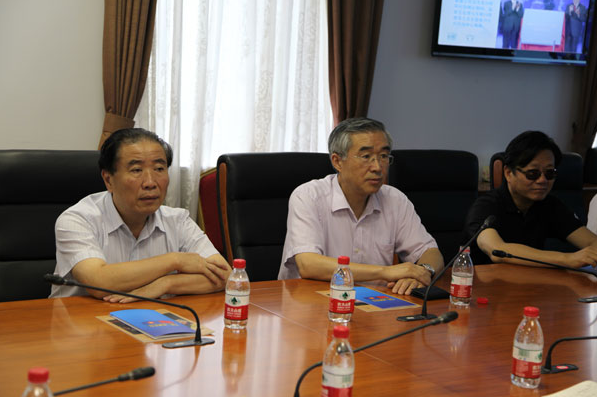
(383, 158)
(534, 174)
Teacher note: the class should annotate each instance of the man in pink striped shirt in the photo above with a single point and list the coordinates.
(353, 213)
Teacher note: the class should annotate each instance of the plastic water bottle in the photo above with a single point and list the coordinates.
(236, 311)
(528, 350)
(38, 383)
(338, 365)
(341, 292)
(461, 287)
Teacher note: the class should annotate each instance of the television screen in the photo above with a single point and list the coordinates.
(535, 31)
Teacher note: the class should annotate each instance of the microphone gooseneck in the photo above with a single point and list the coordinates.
(198, 341)
(504, 254)
(424, 316)
(443, 318)
(138, 373)
(547, 368)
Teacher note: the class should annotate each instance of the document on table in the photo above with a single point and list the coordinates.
(588, 388)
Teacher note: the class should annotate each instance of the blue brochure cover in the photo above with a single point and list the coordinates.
(379, 299)
(591, 269)
(153, 324)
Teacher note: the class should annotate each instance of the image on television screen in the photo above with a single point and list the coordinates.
(515, 27)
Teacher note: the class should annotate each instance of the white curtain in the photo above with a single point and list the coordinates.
(235, 76)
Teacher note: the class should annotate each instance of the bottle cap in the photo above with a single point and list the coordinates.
(38, 375)
(465, 250)
(239, 263)
(482, 301)
(340, 331)
(343, 260)
(531, 311)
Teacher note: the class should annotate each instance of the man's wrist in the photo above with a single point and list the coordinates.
(428, 267)
(175, 262)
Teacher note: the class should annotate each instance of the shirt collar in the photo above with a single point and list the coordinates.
(114, 220)
(511, 206)
(339, 201)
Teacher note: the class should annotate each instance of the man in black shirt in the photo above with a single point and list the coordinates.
(525, 214)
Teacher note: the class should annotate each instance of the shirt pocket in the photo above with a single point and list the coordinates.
(384, 253)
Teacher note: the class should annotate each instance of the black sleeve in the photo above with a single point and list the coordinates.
(479, 211)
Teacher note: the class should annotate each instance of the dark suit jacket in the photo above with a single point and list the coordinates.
(574, 22)
(511, 21)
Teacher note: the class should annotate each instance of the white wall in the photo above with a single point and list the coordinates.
(469, 104)
(51, 94)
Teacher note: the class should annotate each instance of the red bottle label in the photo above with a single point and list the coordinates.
(236, 312)
(327, 391)
(236, 307)
(461, 287)
(526, 363)
(461, 291)
(337, 382)
(341, 301)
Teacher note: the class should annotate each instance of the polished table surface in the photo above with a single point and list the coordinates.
(288, 330)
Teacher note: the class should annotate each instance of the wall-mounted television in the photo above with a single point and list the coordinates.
(531, 31)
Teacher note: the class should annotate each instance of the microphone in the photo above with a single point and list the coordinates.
(442, 318)
(198, 341)
(554, 369)
(138, 373)
(424, 316)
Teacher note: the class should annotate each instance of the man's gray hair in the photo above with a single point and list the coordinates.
(340, 140)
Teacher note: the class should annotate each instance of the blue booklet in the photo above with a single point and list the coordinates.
(153, 324)
(379, 299)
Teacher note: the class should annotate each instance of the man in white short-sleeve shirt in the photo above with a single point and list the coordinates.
(125, 239)
(352, 213)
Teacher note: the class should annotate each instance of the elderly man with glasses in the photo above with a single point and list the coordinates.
(525, 214)
(353, 213)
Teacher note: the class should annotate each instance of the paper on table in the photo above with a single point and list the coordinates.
(588, 388)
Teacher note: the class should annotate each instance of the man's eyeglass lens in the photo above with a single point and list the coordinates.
(383, 158)
(533, 175)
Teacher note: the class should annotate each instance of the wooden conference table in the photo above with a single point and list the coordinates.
(288, 331)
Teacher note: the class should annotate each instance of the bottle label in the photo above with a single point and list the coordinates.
(237, 307)
(526, 363)
(336, 385)
(461, 287)
(342, 300)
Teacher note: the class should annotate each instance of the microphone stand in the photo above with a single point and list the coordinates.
(554, 369)
(424, 316)
(198, 341)
(443, 318)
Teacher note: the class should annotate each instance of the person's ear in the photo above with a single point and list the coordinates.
(107, 177)
(508, 173)
(337, 162)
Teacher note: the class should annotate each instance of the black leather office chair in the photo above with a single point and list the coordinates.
(36, 186)
(253, 193)
(568, 187)
(442, 185)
